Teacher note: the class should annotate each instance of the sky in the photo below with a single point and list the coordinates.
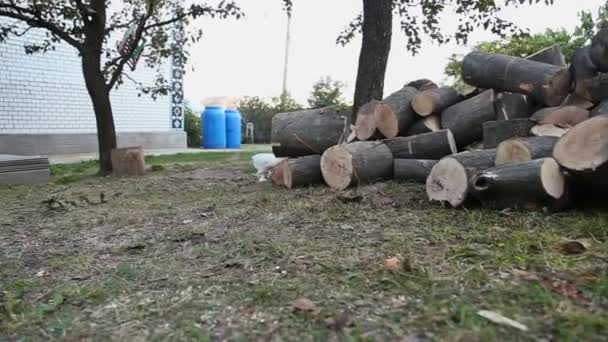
(245, 57)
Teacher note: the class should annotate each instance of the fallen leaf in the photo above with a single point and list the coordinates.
(349, 197)
(525, 275)
(392, 264)
(500, 319)
(303, 304)
(576, 246)
(383, 201)
(339, 323)
(565, 288)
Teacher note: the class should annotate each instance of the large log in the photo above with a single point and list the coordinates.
(599, 50)
(509, 106)
(600, 109)
(431, 123)
(361, 162)
(432, 145)
(313, 130)
(575, 100)
(524, 149)
(412, 170)
(422, 84)
(583, 151)
(551, 55)
(401, 116)
(449, 178)
(365, 125)
(495, 132)
(567, 116)
(128, 161)
(277, 176)
(595, 89)
(546, 83)
(465, 119)
(526, 185)
(434, 101)
(582, 69)
(302, 171)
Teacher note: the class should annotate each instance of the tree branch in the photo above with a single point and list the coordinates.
(38, 22)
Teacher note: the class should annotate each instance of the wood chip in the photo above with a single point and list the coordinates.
(500, 319)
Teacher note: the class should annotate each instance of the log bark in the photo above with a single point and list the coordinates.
(128, 161)
(551, 55)
(434, 101)
(277, 177)
(548, 130)
(524, 149)
(495, 132)
(575, 100)
(308, 131)
(400, 117)
(432, 145)
(302, 171)
(583, 151)
(412, 170)
(595, 89)
(525, 185)
(465, 119)
(600, 109)
(599, 50)
(294, 152)
(422, 84)
(582, 69)
(509, 106)
(361, 162)
(545, 83)
(427, 124)
(568, 116)
(449, 178)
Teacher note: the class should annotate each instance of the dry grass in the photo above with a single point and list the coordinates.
(200, 251)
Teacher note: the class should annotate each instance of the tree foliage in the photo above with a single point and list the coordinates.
(326, 92)
(260, 112)
(526, 45)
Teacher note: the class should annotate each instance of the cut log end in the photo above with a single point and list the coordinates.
(557, 88)
(511, 151)
(365, 125)
(386, 120)
(584, 147)
(452, 142)
(552, 178)
(423, 104)
(337, 166)
(548, 130)
(448, 182)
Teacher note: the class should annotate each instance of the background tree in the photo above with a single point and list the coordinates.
(192, 125)
(525, 45)
(88, 27)
(326, 92)
(260, 112)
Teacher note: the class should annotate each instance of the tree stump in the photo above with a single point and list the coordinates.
(465, 119)
(357, 163)
(128, 161)
(432, 145)
(545, 83)
(434, 101)
(525, 185)
(495, 132)
(449, 178)
(412, 170)
(524, 149)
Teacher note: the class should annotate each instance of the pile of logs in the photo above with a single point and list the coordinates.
(532, 132)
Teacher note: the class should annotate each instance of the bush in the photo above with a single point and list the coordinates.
(193, 127)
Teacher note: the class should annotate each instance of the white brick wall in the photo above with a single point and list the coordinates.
(45, 93)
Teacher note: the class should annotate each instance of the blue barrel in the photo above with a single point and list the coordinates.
(233, 128)
(214, 127)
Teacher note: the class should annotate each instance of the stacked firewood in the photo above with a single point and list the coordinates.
(531, 134)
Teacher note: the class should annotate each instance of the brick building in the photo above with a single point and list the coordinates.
(45, 107)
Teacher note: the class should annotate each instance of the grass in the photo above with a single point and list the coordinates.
(198, 250)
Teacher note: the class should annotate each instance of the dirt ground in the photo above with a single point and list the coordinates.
(202, 251)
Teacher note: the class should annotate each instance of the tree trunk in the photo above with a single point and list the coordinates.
(361, 162)
(527, 185)
(551, 55)
(449, 178)
(432, 145)
(583, 151)
(100, 97)
(600, 109)
(302, 171)
(495, 132)
(509, 106)
(414, 170)
(546, 83)
(431, 123)
(524, 149)
(313, 130)
(465, 119)
(375, 48)
(568, 116)
(128, 161)
(434, 101)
